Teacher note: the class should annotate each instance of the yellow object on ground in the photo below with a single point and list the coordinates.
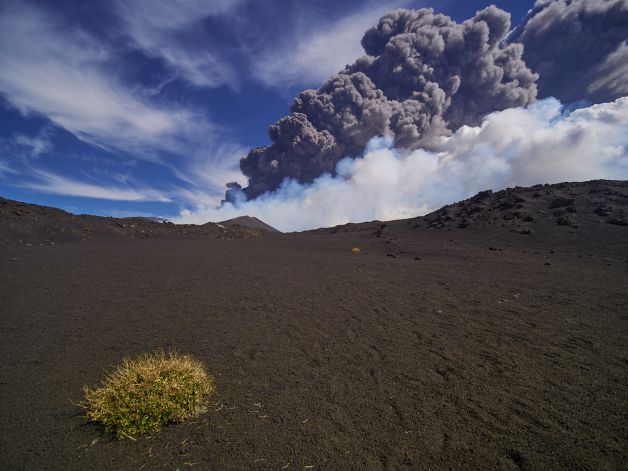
(355, 250)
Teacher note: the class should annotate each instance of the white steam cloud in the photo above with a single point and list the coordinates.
(543, 143)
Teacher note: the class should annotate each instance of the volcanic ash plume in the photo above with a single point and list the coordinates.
(424, 76)
(578, 47)
(543, 142)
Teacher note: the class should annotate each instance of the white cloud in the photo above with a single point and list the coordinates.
(168, 15)
(160, 29)
(37, 145)
(512, 147)
(213, 168)
(6, 169)
(205, 173)
(49, 68)
(320, 49)
(51, 183)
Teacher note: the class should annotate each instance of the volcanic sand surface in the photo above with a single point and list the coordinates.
(466, 358)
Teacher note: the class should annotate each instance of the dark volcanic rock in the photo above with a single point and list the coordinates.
(22, 223)
(618, 222)
(565, 218)
(564, 204)
(561, 202)
(603, 210)
(248, 222)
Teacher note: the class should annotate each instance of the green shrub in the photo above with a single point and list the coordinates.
(146, 393)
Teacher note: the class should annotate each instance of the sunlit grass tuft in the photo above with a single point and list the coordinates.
(144, 394)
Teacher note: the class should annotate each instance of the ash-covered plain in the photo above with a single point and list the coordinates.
(489, 334)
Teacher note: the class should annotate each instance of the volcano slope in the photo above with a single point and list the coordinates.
(32, 224)
(491, 334)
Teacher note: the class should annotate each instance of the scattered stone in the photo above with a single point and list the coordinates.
(419, 258)
(492, 248)
(438, 311)
(618, 222)
(526, 232)
(482, 194)
(511, 215)
(380, 231)
(564, 218)
(512, 202)
(603, 210)
(561, 203)
(548, 263)
(392, 255)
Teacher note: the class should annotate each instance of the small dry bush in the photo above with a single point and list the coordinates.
(146, 393)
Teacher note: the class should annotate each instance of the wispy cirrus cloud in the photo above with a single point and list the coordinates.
(50, 68)
(38, 144)
(318, 48)
(201, 181)
(51, 183)
(6, 169)
(205, 189)
(173, 31)
(212, 168)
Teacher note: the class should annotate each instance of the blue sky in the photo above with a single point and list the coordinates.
(145, 107)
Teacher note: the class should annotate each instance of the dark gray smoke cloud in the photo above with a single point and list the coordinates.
(578, 47)
(424, 76)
